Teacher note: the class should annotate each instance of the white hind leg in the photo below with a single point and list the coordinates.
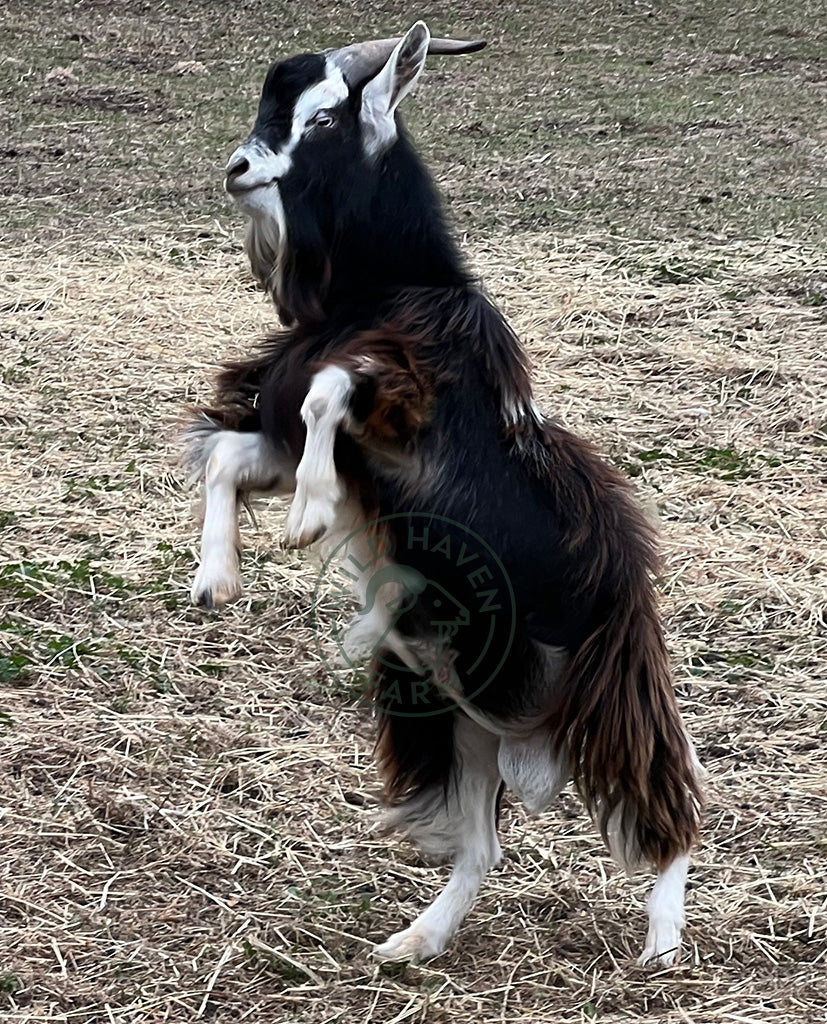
(462, 822)
(231, 464)
(666, 918)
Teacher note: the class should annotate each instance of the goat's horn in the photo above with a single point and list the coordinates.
(360, 61)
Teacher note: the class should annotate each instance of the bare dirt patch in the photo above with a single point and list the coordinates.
(104, 97)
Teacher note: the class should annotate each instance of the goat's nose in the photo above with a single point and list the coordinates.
(238, 164)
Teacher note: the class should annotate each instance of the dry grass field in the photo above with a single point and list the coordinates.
(187, 800)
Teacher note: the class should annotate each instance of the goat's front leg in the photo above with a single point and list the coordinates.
(318, 488)
(231, 463)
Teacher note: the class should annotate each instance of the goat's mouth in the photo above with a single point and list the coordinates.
(234, 189)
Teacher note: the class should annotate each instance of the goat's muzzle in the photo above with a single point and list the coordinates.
(237, 166)
(252, 166)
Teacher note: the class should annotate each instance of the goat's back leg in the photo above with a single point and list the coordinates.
(231, 464)
(666, 900)
(666, 917)
(457, 820)
(537, 773)
(665, 904)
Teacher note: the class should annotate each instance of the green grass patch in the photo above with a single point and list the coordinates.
(724, 463)
(9, 983)
(715, 108)
(730, 662)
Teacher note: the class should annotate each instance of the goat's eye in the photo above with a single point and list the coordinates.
(322, 119)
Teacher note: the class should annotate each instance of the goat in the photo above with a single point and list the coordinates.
(397, 391)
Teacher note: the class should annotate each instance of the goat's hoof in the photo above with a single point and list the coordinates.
(413, 944)
(215, 593)
(663, 947)
(310, 517)
(651, 958)
(301, 540)
(307, 523)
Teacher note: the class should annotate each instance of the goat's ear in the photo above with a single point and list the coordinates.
(383, 94)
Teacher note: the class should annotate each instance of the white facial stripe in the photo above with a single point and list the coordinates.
(265, 166)
(274, 164)
(322, 96)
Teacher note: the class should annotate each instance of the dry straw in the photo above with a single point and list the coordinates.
(188, 804)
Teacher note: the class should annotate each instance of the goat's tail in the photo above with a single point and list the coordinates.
(631, 759)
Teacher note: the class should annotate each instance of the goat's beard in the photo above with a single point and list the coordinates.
(265, 244)
(294, 271)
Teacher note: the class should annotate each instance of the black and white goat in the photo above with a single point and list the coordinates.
(396, 391)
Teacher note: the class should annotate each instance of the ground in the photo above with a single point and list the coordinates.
(188, 801)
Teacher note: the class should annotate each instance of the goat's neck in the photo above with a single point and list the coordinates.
(402, 240)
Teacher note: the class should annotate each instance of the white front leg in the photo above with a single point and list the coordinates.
(232, 463)
(218, 580)
(318, 488)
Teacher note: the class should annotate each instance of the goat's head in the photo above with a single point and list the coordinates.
(312, 174)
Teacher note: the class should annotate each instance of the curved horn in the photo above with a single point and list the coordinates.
(360, 61)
